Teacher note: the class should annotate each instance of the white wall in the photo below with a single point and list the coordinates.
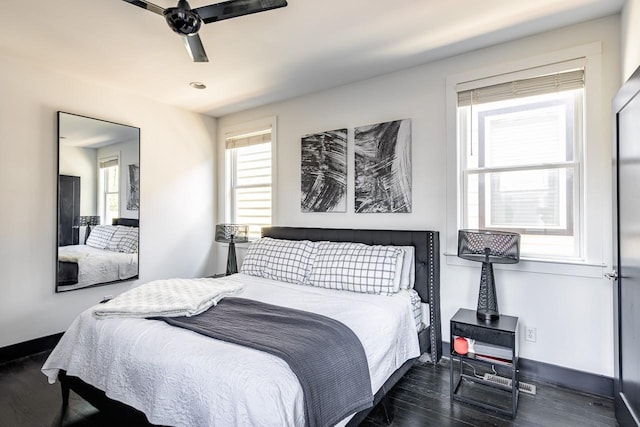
(630, 38)
(177, 191)
(573, 315)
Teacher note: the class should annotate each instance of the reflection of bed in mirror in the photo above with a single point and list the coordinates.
(109, 255)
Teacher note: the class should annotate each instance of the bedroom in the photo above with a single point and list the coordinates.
(182, 198)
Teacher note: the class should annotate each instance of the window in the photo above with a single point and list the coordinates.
(109, 189)
(249, 177)
(521, 145)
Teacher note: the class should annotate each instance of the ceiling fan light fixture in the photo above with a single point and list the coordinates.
(186, 22)
(198, 85)
(182, 19)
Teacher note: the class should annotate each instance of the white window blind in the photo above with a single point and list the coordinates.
(249, 174)
(109, 188)
(521, 145)
(541, 85)
(108, 162)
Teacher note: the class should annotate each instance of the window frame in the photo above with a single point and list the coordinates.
(595, 217)
(103, 186)
(572, 162)
(227, 202)
(232, 176)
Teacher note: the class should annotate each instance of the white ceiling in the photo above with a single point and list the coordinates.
(307, 46)
(80, 131)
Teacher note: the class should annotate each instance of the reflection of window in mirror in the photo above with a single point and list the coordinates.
(109, 188)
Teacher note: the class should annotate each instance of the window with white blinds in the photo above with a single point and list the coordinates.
(521, 160)
(249, 170)
(109, 188)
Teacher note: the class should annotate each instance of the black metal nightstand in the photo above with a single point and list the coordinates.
(502, 336)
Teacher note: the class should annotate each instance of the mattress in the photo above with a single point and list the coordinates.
(178, 377)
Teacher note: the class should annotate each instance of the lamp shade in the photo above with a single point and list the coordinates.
(236, 233)
(498, 247)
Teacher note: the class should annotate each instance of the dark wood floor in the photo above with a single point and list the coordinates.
(420, 399)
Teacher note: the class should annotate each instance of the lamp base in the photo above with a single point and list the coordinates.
(487, 300)
(232, 264)
(487, 316)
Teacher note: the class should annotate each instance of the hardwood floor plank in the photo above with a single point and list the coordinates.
(420, 399)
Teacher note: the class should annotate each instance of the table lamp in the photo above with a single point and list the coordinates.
(232, 234)
(488, 247)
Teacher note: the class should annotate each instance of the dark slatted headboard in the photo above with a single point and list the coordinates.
(427, 253)
(129, 222)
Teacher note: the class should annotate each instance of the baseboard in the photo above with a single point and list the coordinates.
(533, 371)
(586, 382)
(27, 348)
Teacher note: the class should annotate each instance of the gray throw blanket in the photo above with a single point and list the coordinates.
(326, 356)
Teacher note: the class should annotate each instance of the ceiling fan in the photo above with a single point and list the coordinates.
(186, 21)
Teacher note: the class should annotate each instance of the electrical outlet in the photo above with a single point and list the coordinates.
(530, 334)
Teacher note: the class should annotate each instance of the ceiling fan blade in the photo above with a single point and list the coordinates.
(195, 48)
(147, 5)
(235, 8)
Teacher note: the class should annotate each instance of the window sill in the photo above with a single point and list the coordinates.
(563, 268)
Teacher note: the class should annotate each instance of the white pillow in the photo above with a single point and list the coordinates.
(277, 259)
(398, 276)
(416, 309)
(355, 267)
(408, 277)
(100, 236)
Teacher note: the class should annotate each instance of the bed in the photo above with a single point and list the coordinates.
(108, 261)
(257, 372)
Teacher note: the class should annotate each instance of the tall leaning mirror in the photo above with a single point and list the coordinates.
(98, 202)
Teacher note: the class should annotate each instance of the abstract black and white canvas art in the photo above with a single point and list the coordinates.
(383, 167)
(133, 190)
(324, 172)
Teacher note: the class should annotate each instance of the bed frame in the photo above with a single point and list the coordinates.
(427, 253)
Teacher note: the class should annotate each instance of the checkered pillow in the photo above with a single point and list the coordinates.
(129, 243)
(355, 267)
(284, 260)
(119, 233)
(100, 236)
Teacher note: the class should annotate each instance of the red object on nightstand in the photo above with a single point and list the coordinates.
(460, 345)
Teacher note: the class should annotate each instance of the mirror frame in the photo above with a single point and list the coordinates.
(99, 139)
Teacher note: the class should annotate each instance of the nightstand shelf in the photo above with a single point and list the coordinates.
(502, 337)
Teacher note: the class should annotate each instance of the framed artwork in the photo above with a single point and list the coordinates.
(133, 189)
(383, 167)
(324, 172)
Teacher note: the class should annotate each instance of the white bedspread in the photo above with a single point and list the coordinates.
(98, 265)
(178, 377)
